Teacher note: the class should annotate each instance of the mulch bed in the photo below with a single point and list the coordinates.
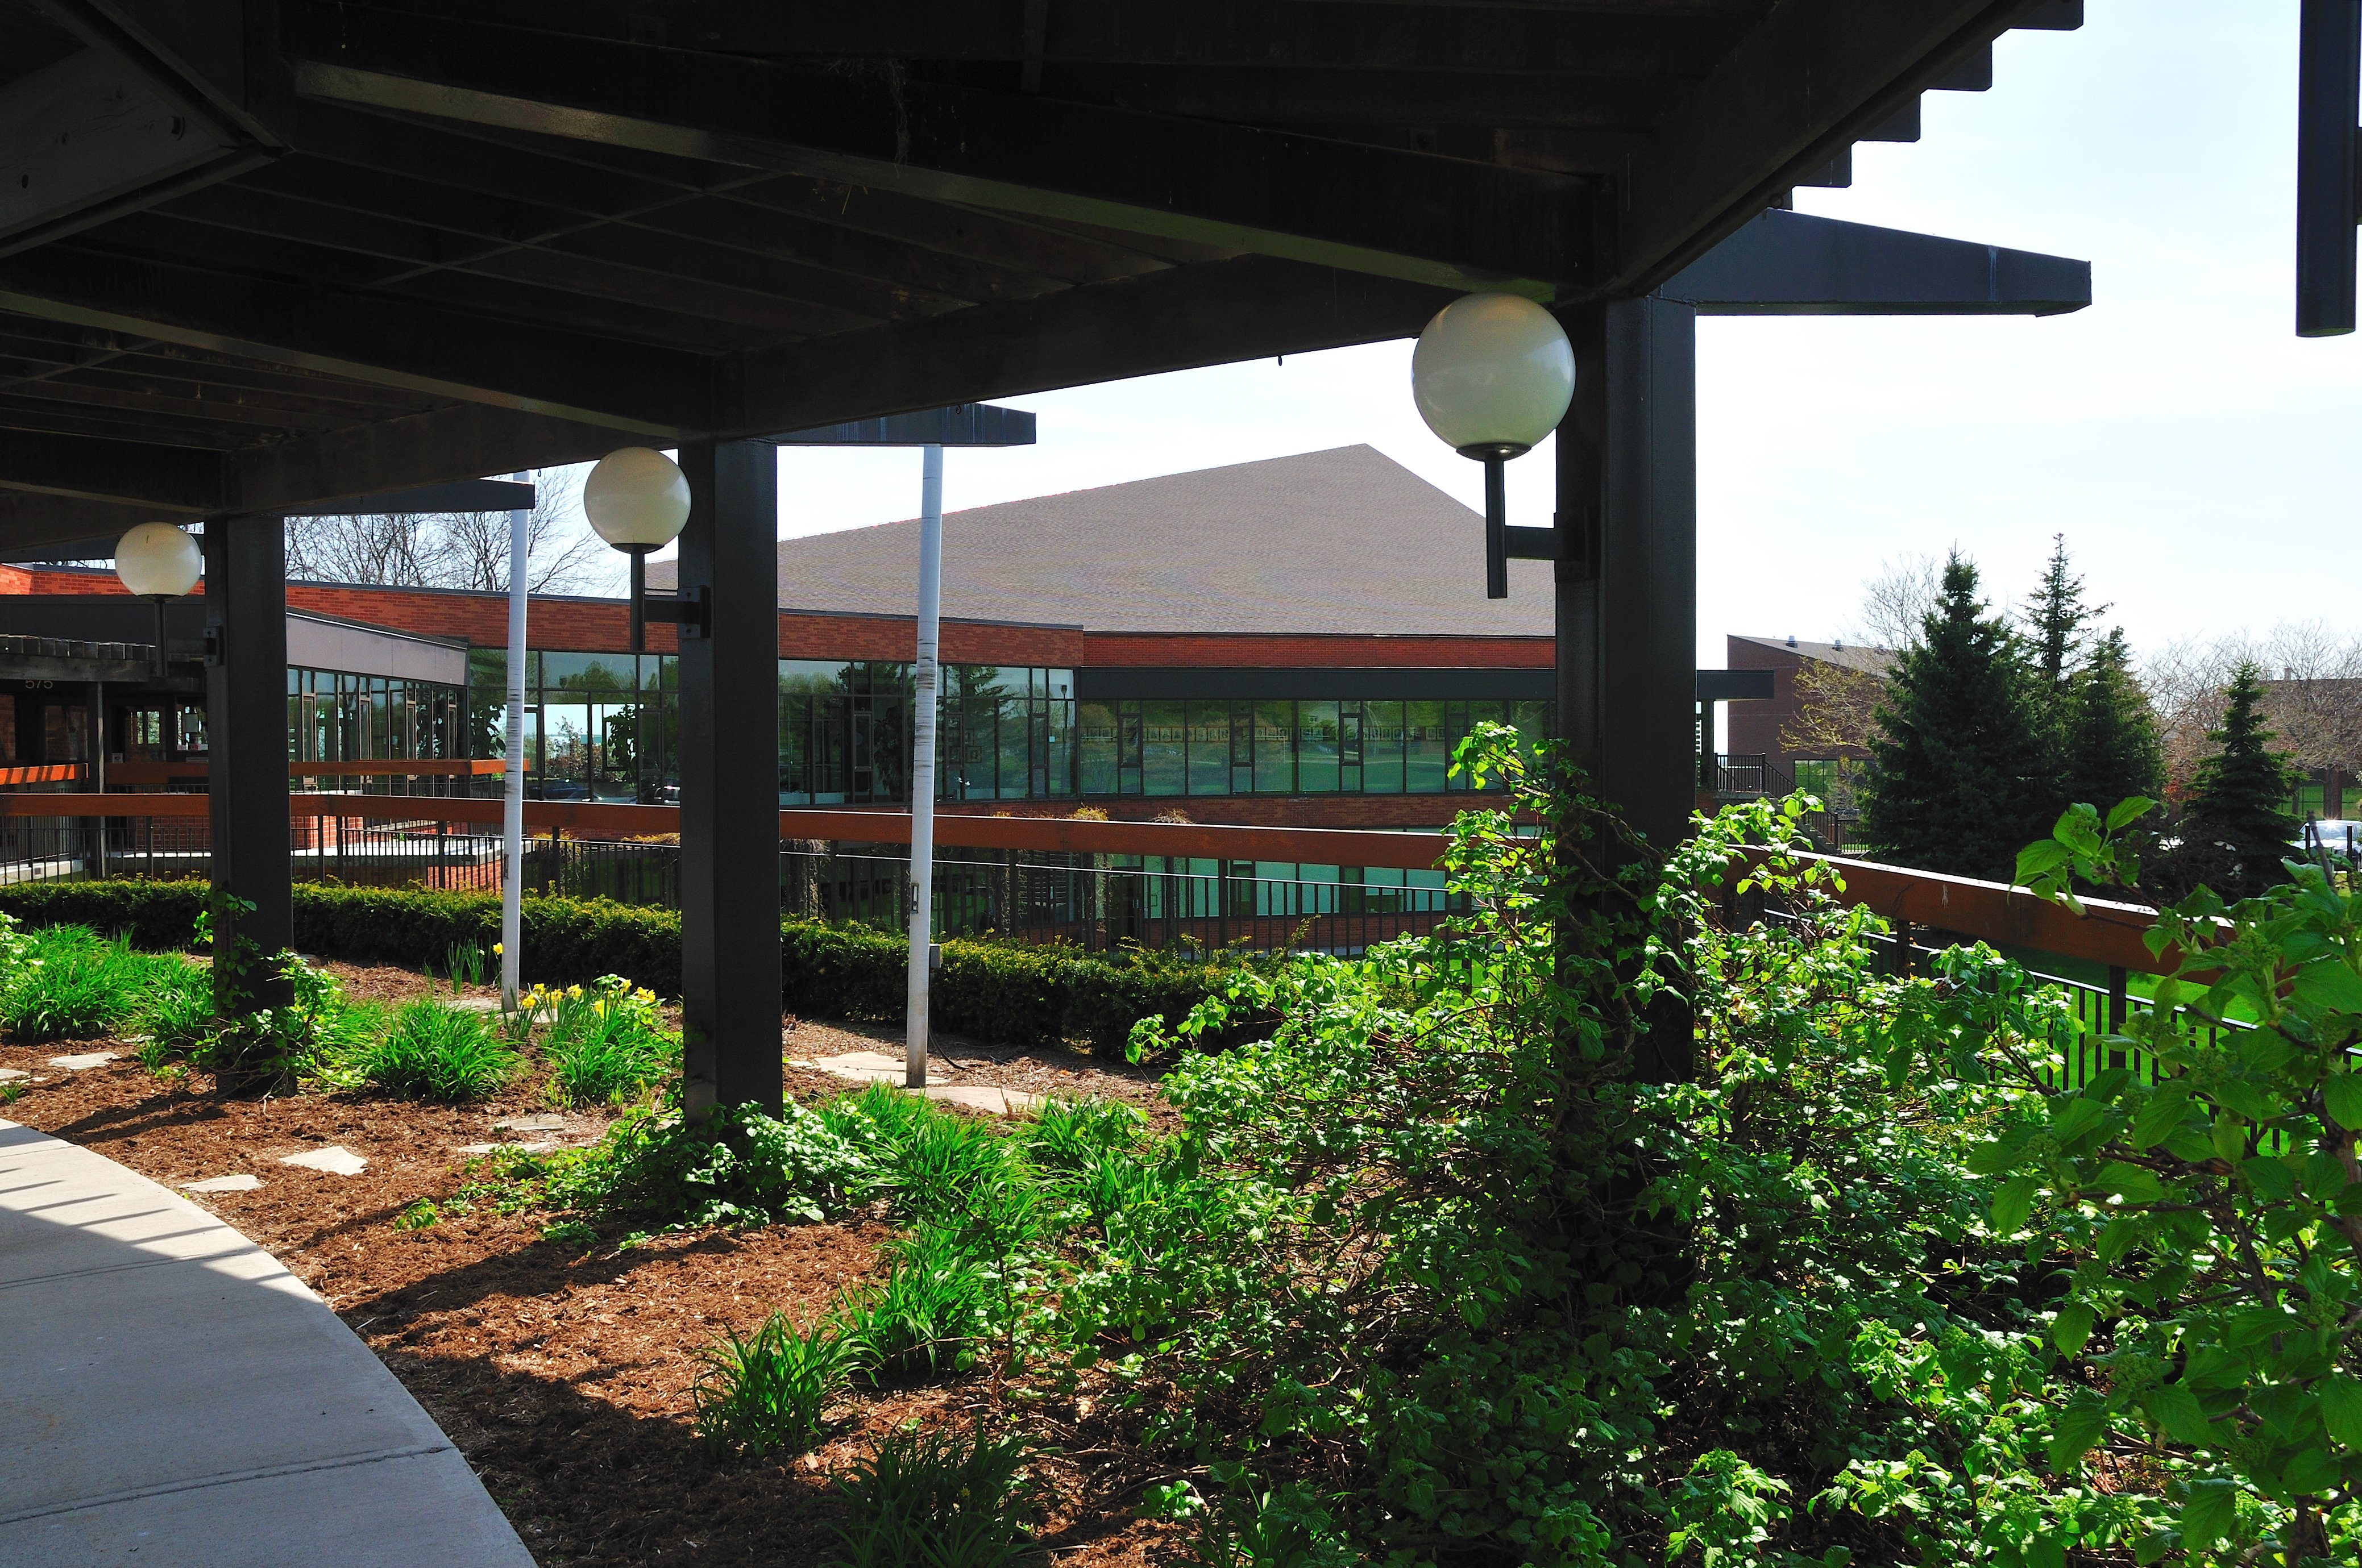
(564, 1376)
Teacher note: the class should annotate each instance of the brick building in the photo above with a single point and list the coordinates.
(1302, 640)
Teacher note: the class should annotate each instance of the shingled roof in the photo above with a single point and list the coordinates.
(1866, 661)
(1346, 541)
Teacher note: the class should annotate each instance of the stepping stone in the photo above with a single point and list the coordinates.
(983, 1097)
(239, 1183)
(335, 1159)
(496, 1148)
(81, 1060)
(541, 1124)
(475, 1004)
(862, 1066)
(9, 1074)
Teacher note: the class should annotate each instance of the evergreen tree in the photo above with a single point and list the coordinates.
(1955, 781)
(2054, 619)
(2113, 746)
(2237, 827)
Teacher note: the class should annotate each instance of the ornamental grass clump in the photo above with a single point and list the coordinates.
(432, 1052)
(922, 1320)
(945, 1497)
(605, 1044)
(768, 1392)
(67, 982)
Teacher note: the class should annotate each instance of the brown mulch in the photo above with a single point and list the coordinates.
(564, 1376)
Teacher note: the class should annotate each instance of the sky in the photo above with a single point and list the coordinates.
(2201, 461)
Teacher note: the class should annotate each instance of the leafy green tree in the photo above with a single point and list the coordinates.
(1957, 780)
(2236, 829)
(2113, 749)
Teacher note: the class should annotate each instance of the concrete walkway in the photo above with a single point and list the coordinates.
(169, 1394)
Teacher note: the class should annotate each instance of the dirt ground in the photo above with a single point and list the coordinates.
(562, 1376)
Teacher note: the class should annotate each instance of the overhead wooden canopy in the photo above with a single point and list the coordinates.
(258, 253)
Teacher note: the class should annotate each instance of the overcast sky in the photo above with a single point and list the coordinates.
(2200, 459)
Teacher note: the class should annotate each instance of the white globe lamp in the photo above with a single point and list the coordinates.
(160, 563)
(637, 500)
(1492, 374)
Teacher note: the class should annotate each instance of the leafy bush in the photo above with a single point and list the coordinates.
(1069, 1134)
(605, 1044)
(1004, 992)
(176, 1013)
(739, 1166)
(945, 1499)
(434, 1052)
(71, 984)
(768, 1392)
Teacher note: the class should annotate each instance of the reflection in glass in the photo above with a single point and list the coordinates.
(1426, 748)
(1316, 747)
(1275, 748)
(1210, 747)
(1098, 727)
(1163, 731)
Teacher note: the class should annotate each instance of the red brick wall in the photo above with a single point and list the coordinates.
(1104, 650)
(1255, 810)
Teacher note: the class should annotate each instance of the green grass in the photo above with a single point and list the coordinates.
(768, 1392)
(920, 1321)
(432, 1052)
(74, 984)
(610, 1056)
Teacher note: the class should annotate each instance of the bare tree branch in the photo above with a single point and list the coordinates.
(1895, 603)
(457, 549)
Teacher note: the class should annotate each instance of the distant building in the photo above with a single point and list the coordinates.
(1300, 640)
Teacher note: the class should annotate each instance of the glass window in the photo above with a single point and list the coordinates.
(1210, 747)
(568, 741)
(831, 734)
(1275, 748)
(1427, 752)
(1062, 684)
(1532, 720)
(1016, 749)
(1128, 748)
(1062, 743)
(589, 672)
(1348, 745)
(1098, 737)
(1316, 747)
(1163, 728)
(1382, 748)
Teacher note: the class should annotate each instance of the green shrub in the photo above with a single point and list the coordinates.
(768, 1392)
(176, 1013)
(739, 1166)
(918, 1321)
(434, 1052)
(605, 1045)
(1068, 1134)
(946, 1498)
(1009, 992)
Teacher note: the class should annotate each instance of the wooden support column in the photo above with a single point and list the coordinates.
(729, 778)
(246, 739)
(1627, 579)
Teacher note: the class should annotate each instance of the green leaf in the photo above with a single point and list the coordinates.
(2341, 1408)
(2207, 1516)
(2274, 1180)
(2071, 1330)
(2314, 1470)
(2134, 1184)
(2176, 1410)
(2012, 1204)
(1991, 1160)
(2327, 982)
(2343, 1094)
(2166, 1111)
(2077, 829)
(2036, 858)
(2080, 1426)
(2130, 809)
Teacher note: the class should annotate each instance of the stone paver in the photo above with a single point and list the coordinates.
(335, 1159)
(875, 1066)
(8, 1074)
(242, 1183)
(174, 1396)
(496, 1148)
(83, 1061)
(541, 1124)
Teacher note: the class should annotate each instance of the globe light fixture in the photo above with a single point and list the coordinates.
(160, 563)
(637, 500)
(1492, 374)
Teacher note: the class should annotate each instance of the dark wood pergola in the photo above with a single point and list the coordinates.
(256, 256)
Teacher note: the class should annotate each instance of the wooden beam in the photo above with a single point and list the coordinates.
(1372, 209)
(1211, 315)
(368, 337)
(28, 521)
(1816, 75)
(437, 447)
(170, 478)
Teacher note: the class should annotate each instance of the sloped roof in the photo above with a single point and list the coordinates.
(1868, 661)
(1346, 541)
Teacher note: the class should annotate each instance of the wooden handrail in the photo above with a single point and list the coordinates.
(43, 772)
(2107, 933)
(145, 773)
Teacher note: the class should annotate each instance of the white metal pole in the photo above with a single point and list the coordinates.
(923, 686)
(513, 771)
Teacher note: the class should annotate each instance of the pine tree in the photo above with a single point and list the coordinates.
(2237, 827)
(2112, 746)
(2055, 620)
(1955, 781)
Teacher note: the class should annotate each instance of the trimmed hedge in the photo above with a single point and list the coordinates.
(1007, 992)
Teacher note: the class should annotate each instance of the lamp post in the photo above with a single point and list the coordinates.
(1492, 374)
(637, 500)
(159, 562)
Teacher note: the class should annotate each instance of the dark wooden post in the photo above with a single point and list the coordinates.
(246, 724)
(1626, 582)
(729, 778)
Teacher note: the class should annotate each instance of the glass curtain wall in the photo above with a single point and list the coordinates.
(606, 727)
(335, 716)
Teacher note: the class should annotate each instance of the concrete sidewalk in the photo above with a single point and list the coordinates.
(169, 1394)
